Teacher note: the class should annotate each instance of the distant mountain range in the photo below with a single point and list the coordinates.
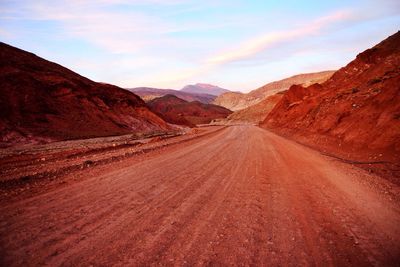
(148, 94)
(203, 88)
(204, 93)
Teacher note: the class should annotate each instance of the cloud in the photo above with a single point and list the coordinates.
(254, 49)
(176, 41)
(251, 48)
(122, 27)
(117, 31)
(118, 26)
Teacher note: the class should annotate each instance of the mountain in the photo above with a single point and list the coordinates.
(147, 94)
(237, 101)
(255, 113)
(203, 88)
(178, 111)
(41, 101)
(354, 114)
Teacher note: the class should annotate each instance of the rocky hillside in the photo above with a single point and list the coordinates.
(237, 101)
(147, 94)
(256, 113)
(41, 101)
(178, 111)
(203, 88)
(356, 113)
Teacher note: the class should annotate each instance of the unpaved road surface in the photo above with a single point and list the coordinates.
(242, 196)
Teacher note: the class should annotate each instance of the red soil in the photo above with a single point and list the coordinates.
(42, 101)
(240, 196)
(178, 111)
(355, 114)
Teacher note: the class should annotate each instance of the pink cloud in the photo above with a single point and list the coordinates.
(254, 46)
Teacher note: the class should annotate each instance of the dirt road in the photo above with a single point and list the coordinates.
(242, 196)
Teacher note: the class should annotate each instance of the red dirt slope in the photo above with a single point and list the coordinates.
(178, 111)
(355, 114)
(41, 101)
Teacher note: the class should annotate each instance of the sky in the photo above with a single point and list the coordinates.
(237, 44)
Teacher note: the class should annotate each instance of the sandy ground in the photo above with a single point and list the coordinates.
(238, 196)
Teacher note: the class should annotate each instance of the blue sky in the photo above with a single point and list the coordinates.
(236, 44)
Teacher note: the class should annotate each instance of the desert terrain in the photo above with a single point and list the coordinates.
(303, 171)
(236, 195)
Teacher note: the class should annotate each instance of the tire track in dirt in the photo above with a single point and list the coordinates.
(243, 196)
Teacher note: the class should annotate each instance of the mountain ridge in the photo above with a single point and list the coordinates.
(178, 111)
(236, 101)
(150, 93)
(204, 88)
(42, 101)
